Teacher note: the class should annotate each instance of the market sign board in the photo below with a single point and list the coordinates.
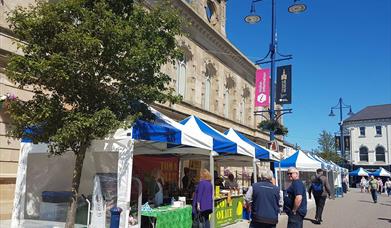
(228, 211)
(284, 85)
(262, 88)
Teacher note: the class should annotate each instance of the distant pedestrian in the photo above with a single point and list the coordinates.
(320, 188)
(373, 185)
(345, 184)
(379, 185)
(264, 199)
(203, 197)
(295, 200)
(388, 186)
(363, 184)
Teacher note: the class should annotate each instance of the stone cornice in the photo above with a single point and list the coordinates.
(214, 43)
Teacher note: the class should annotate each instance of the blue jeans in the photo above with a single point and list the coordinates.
(374, 195)
(295, 221)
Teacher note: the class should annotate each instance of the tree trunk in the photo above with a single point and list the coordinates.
(70, 222)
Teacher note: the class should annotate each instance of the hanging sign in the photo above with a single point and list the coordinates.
(284, 85)
(262, 88)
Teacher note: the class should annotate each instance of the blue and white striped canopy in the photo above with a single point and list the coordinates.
(359, 172)
(325, 165)
(220, 143)
(259, 151)
(381, 172)
(164, 129)
(301, 161)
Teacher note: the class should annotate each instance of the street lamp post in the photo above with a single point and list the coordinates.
(252, 19)
(340, 106)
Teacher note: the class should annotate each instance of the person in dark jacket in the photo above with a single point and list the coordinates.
(295, 200)
(203, 197)
(264, 199)
(320, 188)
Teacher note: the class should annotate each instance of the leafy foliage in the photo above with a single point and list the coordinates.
(326, 148)
(87, 61)
(275, 126)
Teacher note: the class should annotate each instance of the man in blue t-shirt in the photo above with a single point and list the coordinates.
(295, 200)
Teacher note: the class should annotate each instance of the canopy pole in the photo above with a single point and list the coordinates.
(124, 183)
(255, 176)
(20, 186)
(211, 168)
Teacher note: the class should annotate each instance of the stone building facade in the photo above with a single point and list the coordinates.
(370, 135)
(215, 79)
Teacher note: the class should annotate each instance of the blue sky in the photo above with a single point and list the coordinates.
(339, 48)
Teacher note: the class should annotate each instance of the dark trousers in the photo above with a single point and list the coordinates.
(320, 201)
(295, 221)
(374, 195)
(254, 224)
(205, 215)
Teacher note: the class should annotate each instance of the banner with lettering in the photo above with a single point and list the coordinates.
(262, 88)
(284, 85)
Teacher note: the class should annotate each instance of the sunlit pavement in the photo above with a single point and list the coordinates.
(354, 210)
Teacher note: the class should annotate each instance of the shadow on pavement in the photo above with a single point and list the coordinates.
(385, 219)
(365, 201)
(386, 204)
(311, 220)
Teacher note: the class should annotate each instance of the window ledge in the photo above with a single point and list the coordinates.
(378, 135)
(361, 136)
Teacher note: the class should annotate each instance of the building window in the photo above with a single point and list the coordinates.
(364, 154)
(378, 130)
(380, 154)
(181, 77)
(362, 131)
(210, 10)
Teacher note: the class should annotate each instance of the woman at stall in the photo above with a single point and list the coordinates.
(158, 188)
(203, 197)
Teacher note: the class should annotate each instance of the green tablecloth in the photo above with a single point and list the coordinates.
(170, 217)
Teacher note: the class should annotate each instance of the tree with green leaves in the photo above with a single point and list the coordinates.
(89, 63)
(327, 148)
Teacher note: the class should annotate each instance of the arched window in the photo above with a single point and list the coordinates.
(364, 154)
(380, 154)
(181, 77)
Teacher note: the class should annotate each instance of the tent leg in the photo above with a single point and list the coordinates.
(124, 184)
(211, 168)
(20, 186)
(255, 170)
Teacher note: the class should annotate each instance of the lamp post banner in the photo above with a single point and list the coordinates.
(284, 85)
(262, 88)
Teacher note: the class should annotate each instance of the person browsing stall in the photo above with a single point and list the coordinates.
(203, 197)
(263, 198)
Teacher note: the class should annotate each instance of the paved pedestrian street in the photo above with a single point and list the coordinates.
(354, 210)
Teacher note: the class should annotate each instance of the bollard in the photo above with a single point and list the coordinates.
(115, 217)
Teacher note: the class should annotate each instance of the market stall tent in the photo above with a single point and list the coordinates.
(381, 172)
(301, 161)
(259, 151)
(359, 172)
(38, 172)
